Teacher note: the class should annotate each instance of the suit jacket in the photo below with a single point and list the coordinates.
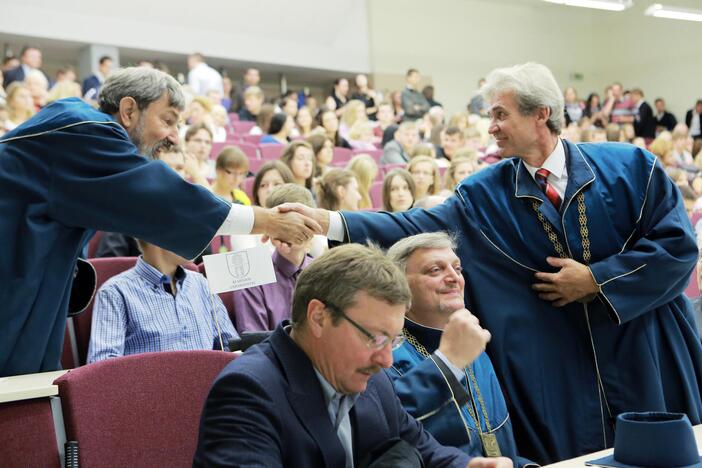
(267, 409)
(91, 82)
(688, 121)
(645, 122)
(17, 74)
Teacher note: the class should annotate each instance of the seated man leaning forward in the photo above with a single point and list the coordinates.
(442, 358)
(312, 395)
(157, 306)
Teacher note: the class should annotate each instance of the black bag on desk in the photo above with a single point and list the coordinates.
(394, 453)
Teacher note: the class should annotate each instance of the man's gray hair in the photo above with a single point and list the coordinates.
(534, 87)
(401, 250)
(145, 85)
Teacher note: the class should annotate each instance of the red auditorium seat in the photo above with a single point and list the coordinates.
(376, 194)
(253, 139)
(270, 151)
(242, 128)
(247, 148)
(342, 155)
(93, 243)
(247, 186)
(27, 434)
(376, 154)
(255, 166)
(233, 117)
(139, 410)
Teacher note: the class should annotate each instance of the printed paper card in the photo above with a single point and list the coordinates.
(239, 269)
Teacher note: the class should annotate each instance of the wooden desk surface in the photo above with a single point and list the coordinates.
(24, 387)
(580, 461)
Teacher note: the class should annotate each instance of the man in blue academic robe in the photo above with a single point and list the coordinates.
(576, 258)
(72, 168)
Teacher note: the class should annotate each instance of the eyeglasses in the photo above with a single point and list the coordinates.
(376, 342)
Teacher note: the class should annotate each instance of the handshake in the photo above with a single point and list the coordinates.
(291, 223)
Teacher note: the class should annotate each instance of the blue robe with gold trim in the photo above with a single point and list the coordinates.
(65, 171)
(567, 372)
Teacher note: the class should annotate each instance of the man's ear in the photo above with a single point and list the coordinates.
(316, 317)
(128, 112)
(543, 114)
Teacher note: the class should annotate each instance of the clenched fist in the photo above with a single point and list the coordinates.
(463, 339)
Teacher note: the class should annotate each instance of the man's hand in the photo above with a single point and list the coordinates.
(482, 462)
(463, 338)
(291, 227)
(573, 282)
(317, 214)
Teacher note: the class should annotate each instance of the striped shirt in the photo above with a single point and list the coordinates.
(135, 312)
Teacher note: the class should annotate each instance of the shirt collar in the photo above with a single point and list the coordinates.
(155, 277)
(329, 392)
(286, 267)
(555, 163)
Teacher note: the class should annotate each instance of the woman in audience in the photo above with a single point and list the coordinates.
(593, 110)
(423, 149)
(20, 106)
(231, 169)
(198, 142)
(399, 191)
(269, 176)
(199, 112)
(305, 122)
(299, 157)
(38, 87)
(279, 130)
(425, 173)
(396, 102)
(338, 190)
(220, 120)
(64, 89)
(361, 136)
(573, 107)
(354, 111)
(330, 123)
(365, 169)
(385, 117)
(460, 168)
(263, 120)
(323, 149)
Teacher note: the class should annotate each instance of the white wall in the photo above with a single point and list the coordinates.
(327, 34)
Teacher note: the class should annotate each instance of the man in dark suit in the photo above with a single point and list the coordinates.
(644, 120)
(29, 60)
(693, 120)
(92, 84)
(312, 395)
(664, 119)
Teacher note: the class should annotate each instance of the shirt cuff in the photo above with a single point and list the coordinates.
(457, 372)
(336, 227)
(240, 220)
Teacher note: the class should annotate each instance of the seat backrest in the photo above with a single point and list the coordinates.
(341, 155)
(375, 154)
(270, 151)
(27, 434)
(247, 186)
(243, 127)
(693, 290)
(94, 243)
(139, 410)
(253, 139)
(376, 194)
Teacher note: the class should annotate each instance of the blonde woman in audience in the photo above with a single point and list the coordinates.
(425, 173)
(323, 149)
(299, 157)
(460, 168)
(279, 130)
(38, 87)
(365, 169)
(231, 169)
(661, 146)
(354, 111)
(20, 106)
(361, 136)
(305, 122)
(220, 120)
(423, 149)
(399, 191)
(682, 144)
(271, 175)
(459, 120)
(338, 190)
(64, 89)
(198, 142)
(263, 120)
(199, 112)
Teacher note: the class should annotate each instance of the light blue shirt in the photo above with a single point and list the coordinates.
(134, 312)
(339, 405)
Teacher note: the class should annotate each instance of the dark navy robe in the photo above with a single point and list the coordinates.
(567, 372)
(68, 169)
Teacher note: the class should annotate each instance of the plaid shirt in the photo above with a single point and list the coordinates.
(134, 312)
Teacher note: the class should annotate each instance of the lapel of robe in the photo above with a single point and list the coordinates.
(306, 398)
(527, 188)
(580, 173)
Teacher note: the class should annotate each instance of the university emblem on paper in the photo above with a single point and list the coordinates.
(238, 264)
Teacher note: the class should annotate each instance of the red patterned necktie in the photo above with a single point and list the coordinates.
(548, 189)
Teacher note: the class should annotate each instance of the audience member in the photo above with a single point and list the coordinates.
(573, 106)
(452, 139)
(251, 77)
(62, 90)
(271, 175)
(30, 59)
(664, 119)
(693, 120)
(157, 305)
(9, 62)
(253, 100)
(354, 111)
(323, 149)
(340, 94)
(347, 314)
(366, 95)
(443, 359)
(338, 190)
(396, 102)
(414, 104)
(299, 157)
(38, 86)
(279, 130)
(198, 142)
(618, 109)
(428, 93)
(361, 136)
(263, 121)
(459, 169)
(593, 110)
(385, 118)
(330, 123)
(263, 307)
(425, 173)
(220, 122)
(399, 191)
(477, 104)
(644, 120)
(398, 150)
(202, 77)
(20, 106)
(423, 149)
(305, 122)
(92, 84)
(365, 169)
(231, 169)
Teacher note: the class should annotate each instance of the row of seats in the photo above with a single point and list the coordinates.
(141, 410)
(270, 151)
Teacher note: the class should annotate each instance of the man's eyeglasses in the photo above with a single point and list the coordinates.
(376, 342)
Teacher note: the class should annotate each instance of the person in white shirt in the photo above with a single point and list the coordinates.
(201, 77)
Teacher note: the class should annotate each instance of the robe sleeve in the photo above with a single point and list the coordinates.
(654, 266)
(100, 181)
